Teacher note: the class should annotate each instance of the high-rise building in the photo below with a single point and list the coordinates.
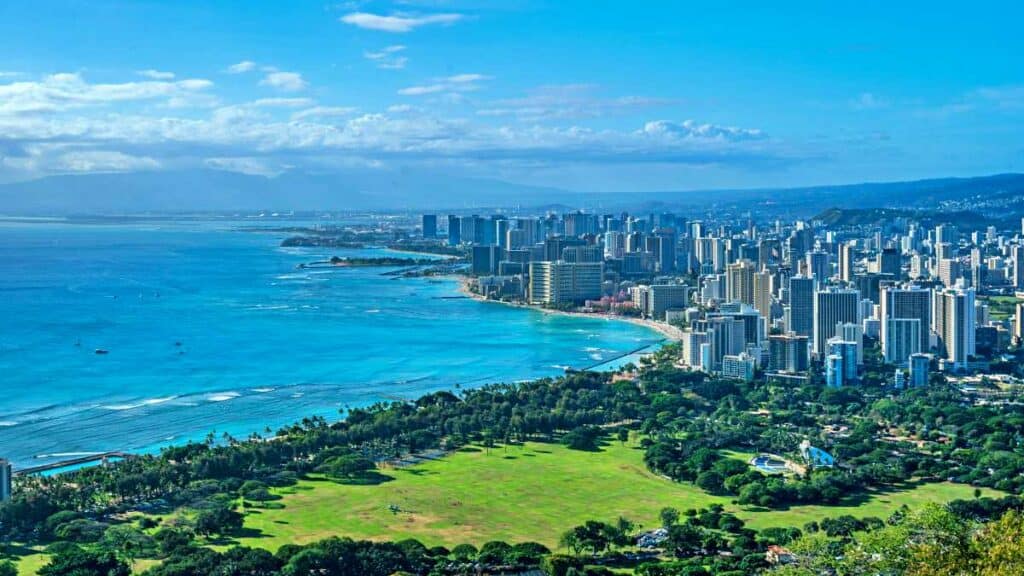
(817, 266)
(848, 352)
(725, 337)
(485, 259)
(955, 325)
(801, 305)
(763, 294)
(853, 332)
(501, 228)
(454, 230)
(739, 282)
(6, 478)
(903, 339)
(691, 345)
(564, 282)
(919, 364)
(788, 353)
(430, 225)
(889, 262)
(663, 297)
(906, 302)
(846, 258)
(834, 371)
(831, 307)
(740, 366)
(1017, 256)
(949, 271)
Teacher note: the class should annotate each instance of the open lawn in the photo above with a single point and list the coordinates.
(534, 492)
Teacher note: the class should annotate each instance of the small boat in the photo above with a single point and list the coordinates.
(101, 351)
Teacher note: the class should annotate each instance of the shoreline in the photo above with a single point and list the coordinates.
(667, 330)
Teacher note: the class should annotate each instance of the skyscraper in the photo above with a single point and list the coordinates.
(430, 225)
(906, 302)
(763, 294)
(739, 282)
(1017, 255)
(832, 307)
(889, 262)
(955, 324)
(788, 352)
(564, 283)
(846, 257)
(454, 230)
(848, 352)
(817, 266)
(801, 305)
(903, 339)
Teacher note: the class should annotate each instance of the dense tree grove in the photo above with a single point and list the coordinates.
(689, 424)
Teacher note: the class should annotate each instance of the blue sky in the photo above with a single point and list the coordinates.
(582, 95)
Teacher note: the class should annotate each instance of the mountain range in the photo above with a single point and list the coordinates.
(221, 191)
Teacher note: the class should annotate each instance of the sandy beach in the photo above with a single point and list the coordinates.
(667, 330)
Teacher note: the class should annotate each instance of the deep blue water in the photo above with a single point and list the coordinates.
(210, 329)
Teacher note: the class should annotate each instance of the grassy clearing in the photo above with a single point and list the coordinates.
(534, 492)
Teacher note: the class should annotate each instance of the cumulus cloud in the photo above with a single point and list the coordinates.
(450, 84)
(242, 67)
(64, 91)
(284, 81)
(399, 23)
(690, 130)
(388, 58)
(63, 123)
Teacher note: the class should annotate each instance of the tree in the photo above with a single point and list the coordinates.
(669, 517)
(7, 568)
(80, 562)
(218, 520)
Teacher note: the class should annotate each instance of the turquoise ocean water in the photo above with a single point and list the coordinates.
(210, 329)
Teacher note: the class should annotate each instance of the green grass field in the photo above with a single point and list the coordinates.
(535, 492)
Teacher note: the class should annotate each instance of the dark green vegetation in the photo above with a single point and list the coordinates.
(689, 428)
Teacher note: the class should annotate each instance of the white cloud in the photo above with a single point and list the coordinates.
(399, 23)
(451, 84)
(63, 123)
(690, 130)
(567, 101)
(156, 74)
(323, 112)
(282, 102)
(246, 165)
(103, 161)
(284, 81)
(388, 58)
(242, 67)
(65, 91)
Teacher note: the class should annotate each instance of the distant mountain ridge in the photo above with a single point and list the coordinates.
(221, 191)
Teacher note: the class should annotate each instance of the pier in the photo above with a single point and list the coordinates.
(71, 462)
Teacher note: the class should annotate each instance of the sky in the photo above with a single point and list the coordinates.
(583, 95)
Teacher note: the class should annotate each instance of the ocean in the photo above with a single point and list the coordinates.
(209, 329)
